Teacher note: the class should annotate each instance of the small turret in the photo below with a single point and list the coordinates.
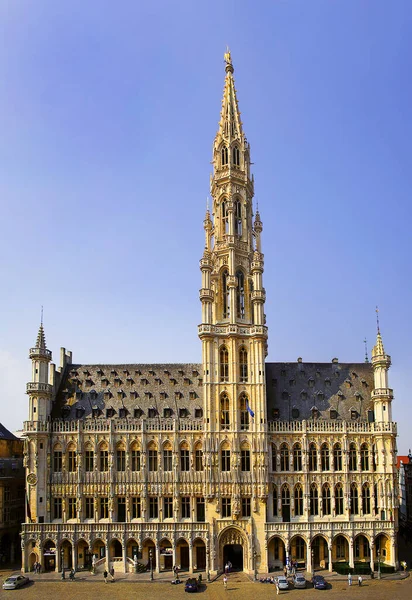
(382, 395)
(39, 389)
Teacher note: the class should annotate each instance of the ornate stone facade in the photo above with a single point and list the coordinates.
(231, 459)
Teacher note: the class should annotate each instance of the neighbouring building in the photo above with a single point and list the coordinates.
(234, 458)
(11, 496)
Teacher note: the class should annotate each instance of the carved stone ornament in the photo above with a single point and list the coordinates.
(32, 478)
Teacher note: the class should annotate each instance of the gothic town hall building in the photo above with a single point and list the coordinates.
(234, 459)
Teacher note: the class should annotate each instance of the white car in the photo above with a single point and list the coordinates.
(282, 582)
(299, 581)
(14, 582)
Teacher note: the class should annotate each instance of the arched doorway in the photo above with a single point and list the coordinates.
(298, 550)
(115, 552)
(382, 550)
(232, 545)
(340, 549)
(320, 552)
(276, 554)
(66, 555)
(182, 554)
(166, 555)
(361, 549)
(199, 559)
(149, 553)
(84, 556)
(49, 556)
(98, 549)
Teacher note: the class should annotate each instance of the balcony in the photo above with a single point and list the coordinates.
(35, 387)
(40, 353)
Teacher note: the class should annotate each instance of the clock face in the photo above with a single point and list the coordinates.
(32, 479)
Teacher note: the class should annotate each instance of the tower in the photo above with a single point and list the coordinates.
(233, 331)
(382, 395)
(36, 450)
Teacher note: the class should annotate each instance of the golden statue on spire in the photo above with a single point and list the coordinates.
(227, 57)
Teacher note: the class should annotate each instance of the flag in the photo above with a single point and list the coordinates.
(250, 411)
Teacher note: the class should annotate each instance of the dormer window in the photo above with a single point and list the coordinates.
(163, 395)
(151, 372)
(354, 414)
(100, 372)
(195, 373)
(303, 394)
(224, 156)
(276, 413)
(285, 395)
(123, 412)
(333, 414)
(167, 413)
(178, 395)
(311, 382)
(152, 413)
(110, 412)
(96, 412)
(158, 380)
(137, 413)
(327, 382)
(134, 394)
(295, 413)
(173, 381)
(181, 372)
(236, 156)
(187, 381)
(198, 413)
(183, 413)
(113, 372)
(192, 395)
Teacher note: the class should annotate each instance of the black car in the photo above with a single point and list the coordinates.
(319, 582)
(191, 585)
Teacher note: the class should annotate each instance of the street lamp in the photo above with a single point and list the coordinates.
(379, 564)
(208, 564)
(254, 565)
(151, 564)
(62, 562)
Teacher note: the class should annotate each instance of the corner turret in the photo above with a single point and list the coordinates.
(39, 389)
(382, 395)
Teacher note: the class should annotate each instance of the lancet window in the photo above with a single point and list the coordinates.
(297, 457)
(244, 413)
(238, 218)
(366, 499)
(236, 156)
(364, 457)
(326, 500)
(225, 218)
(225, 296)
(313, 458)
(337, 457)
(224, 156)
(298, 500)
(324, 455)
(352, 458)
(284, 457)
(354, 499)
(243, 365)
(224, 364)
(240, 295)
(314, 499)
(224, 411)
(339, 499)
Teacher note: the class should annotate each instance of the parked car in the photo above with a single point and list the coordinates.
(299, 581)
(191, 585)
(14, 582)
(282, 582)
(319, 582)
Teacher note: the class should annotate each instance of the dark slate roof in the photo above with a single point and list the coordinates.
(293, 390)
(5, 434)
(130, 387)
(332, 386)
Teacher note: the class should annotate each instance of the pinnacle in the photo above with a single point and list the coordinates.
(378, 349)
(41, 338)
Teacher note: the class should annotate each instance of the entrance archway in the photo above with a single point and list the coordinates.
(276, 554)
(233, 549)
(319, 552)
(49, 556)
(233, 554)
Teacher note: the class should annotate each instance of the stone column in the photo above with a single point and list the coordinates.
(371, 548)
(124, 553)
(309, 565)
(74, 556)
(107, 555)
(157, 550)
(351, 557)
(330, 558)
(190, 556)
(174, 552)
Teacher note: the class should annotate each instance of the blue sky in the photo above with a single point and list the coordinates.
(107, 116)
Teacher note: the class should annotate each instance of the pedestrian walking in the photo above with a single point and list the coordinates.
(105, 574)
(225, 582)
(112, 573)
(277, 587)
(349, 578)
(71, 575)
(227, 568)
(360, 580)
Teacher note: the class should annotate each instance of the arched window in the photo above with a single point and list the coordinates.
(225, 458)
(352, 458)
(314, 499)
(364, 457)
(366, 499)
(244, 413)
(236, 156)
(324, 456)
(337, 457)
(103, 458)
(284, 457)
(224, 156)
(285, 503)
(275, 501)
(240, 295)
(274, 457)
(153, 457)
(326, 499)
(313, 458)
(297, 457)
(198, 458)
(167, 457)
(71, 458)
(225, 296)
(339, 499)
(243, 366)
(238, 218)
(184, 457)
(245, 458)
(225, 218)
(354, 499)
(224, 411)
(224, 364)
(298, 500)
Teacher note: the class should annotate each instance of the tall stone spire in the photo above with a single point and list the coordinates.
(41, 338)
(230, 125)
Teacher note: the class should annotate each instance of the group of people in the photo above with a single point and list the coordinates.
(228, 566)
(106, 574)
(350, 579)
(37, 568)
